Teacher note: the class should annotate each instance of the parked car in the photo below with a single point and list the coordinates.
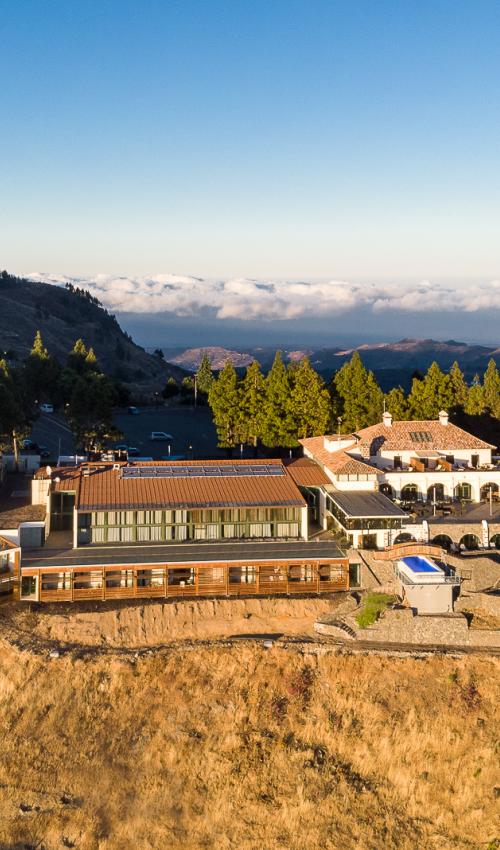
(133, 411)
(133, 452)
(121, 447)
(45, 407)
(44, 451)
(161, 435)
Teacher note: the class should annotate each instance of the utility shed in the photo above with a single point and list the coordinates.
(425, 585)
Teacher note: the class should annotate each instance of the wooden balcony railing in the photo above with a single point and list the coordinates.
(271, 579)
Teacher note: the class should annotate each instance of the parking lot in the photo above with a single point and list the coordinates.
(192, 430)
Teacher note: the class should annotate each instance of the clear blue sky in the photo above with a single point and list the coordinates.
(351, 140)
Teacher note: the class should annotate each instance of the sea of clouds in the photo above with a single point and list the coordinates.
(247, 299)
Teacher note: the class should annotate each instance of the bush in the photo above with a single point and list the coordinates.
(375, 604)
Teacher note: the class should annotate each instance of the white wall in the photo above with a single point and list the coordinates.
(449, 480)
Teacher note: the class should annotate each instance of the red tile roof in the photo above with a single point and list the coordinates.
(338, 462)
(444, 438)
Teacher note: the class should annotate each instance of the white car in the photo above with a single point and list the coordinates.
(161, 435)
(46, 408)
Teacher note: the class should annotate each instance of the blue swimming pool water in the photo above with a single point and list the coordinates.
(419, 565)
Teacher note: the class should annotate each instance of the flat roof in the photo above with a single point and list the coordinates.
(360, 505)
(166, 553)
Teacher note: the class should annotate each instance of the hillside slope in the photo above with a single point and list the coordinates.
(233, 746)
(62, 317)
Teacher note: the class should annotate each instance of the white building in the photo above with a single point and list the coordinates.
(404, 463)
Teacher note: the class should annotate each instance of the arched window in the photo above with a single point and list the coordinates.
(470, 542)
(387, 490)
(442, 540)
(405, 538)
(435, 493)
(463, 492)
(495, 541)
(409, 492)
(488, 488)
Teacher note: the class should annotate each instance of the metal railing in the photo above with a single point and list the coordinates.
(454, 580)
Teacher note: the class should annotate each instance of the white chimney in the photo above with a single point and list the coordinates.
(443, 417)
(387, 419)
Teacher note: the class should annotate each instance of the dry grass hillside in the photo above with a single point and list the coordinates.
(235, 746)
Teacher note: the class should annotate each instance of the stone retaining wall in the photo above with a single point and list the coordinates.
(401, 625)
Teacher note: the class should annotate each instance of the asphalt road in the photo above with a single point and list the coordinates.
(192, 430)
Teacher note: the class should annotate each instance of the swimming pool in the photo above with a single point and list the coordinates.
(421, 570)
(419, 564)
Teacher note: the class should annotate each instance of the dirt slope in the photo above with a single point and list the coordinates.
(241, 747)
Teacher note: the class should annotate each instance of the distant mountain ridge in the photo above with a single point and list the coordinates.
(218, 356)
(393, 362)
(63, 316)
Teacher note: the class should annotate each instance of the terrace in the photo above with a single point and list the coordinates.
(206, 569)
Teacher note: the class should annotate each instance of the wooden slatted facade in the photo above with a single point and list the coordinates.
(232, 579)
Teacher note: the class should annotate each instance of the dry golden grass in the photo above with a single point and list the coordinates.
(245, 748)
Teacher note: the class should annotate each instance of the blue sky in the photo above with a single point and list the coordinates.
(353, 141)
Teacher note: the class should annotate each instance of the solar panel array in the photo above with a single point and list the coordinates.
(421, 436)
(201, 471)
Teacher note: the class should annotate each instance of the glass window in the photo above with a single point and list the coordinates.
(354, 575)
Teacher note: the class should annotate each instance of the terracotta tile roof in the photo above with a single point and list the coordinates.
(306, 473)
(397, 437)
(339, 462)
(105, 488)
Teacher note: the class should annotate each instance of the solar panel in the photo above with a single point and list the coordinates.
(201, 471)
(421, 436)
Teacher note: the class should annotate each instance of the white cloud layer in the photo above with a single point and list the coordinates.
(246, 299)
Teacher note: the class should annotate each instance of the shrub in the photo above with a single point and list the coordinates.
(375, 604)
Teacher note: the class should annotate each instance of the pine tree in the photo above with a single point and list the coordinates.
(224, 399)
(91, 361)
(362, 398)
(38, 349)
(204, 375)
(459, 386)
(277, 425)
(77, 357)
(430, 396)
(309, 402)
(252, 400)
(491, 389)
(396, 404)
(40, 375)
(475, 405)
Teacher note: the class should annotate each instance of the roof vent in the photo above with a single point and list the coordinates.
(116, 466)
(85, 472)
(443, 417)
(387, 419)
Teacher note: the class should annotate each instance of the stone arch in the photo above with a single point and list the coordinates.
(470, 541)
(486, 488)
(409, 492)
(387, 489)
(443, 540)
(405, 537)
(495, 541)
(435, 492)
